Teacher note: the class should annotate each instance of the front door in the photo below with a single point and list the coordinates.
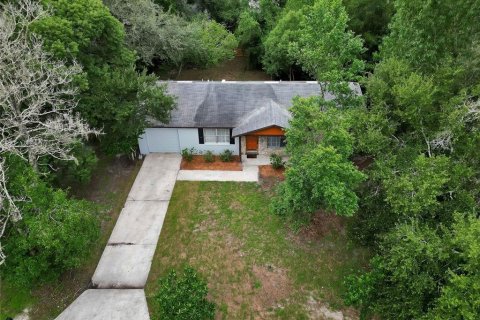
(252, 143)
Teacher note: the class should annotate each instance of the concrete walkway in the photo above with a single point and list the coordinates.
(248, 174)
(123, 269)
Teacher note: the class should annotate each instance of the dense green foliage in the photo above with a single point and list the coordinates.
(370, 19)
(276, 161)
(165, 38)
(279, 57)
(424, 273)
(183, 297)
(61, 173)
(55, 234)
(419, 131)
(319, 174)
(254, 25)
(316, 39)
(224, 11)
(422, 127)
(87, 32)
(120, 101)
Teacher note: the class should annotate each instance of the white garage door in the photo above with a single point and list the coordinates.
(159, 140)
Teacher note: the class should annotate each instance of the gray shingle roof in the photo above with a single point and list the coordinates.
(270, 115)
(203, 104)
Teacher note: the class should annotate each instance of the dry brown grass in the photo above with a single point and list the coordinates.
(255, 266)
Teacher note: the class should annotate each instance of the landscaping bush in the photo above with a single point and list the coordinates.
(276, 161)
(183, 297)
(226, 155)
(209, 157)
(187, 154)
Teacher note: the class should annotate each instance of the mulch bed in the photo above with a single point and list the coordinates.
(267, 171)
(198, 163)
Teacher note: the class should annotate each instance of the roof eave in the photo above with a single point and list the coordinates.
(242, 133)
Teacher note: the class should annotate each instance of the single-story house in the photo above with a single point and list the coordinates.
(246, 117)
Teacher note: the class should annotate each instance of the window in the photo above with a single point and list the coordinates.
(216, 136)
(276, 141)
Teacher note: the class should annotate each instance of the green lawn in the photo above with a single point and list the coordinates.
(255, 266)
(109, 187)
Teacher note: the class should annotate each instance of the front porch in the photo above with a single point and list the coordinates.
(263, 142)
(260, 160)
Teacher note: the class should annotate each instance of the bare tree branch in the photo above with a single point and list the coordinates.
(37, 100)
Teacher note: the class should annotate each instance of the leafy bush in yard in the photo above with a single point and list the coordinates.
(226, 155)
(276, 161)
(187, 154)
(61, 172)
(209, 157)
(55, 234)
(183, 297)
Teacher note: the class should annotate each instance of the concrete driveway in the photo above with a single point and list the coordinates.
(123, 269)
(126, 260)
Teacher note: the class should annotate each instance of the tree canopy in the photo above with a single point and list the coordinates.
(314, 37)
(319, 174)
(159, 36)
(86, 31)
(421, 127)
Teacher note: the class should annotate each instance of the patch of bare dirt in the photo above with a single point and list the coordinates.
(322, 225)
(267, 171)
(320, 311)
(273, 287)
(235, 69)
(199, 163)
(269, 177)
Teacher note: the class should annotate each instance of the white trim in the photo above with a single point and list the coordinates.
(216, 144)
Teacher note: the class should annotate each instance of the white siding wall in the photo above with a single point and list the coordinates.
(174, 140)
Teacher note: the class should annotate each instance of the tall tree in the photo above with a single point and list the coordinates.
(56, 233)
(86, 31)
(226, 12)
(436, 37)
(160, 37)
(319, 175)
(38, 115)
(326, 49)
(316, 38)
(424, 108)
(279, 58)
(370, 19)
